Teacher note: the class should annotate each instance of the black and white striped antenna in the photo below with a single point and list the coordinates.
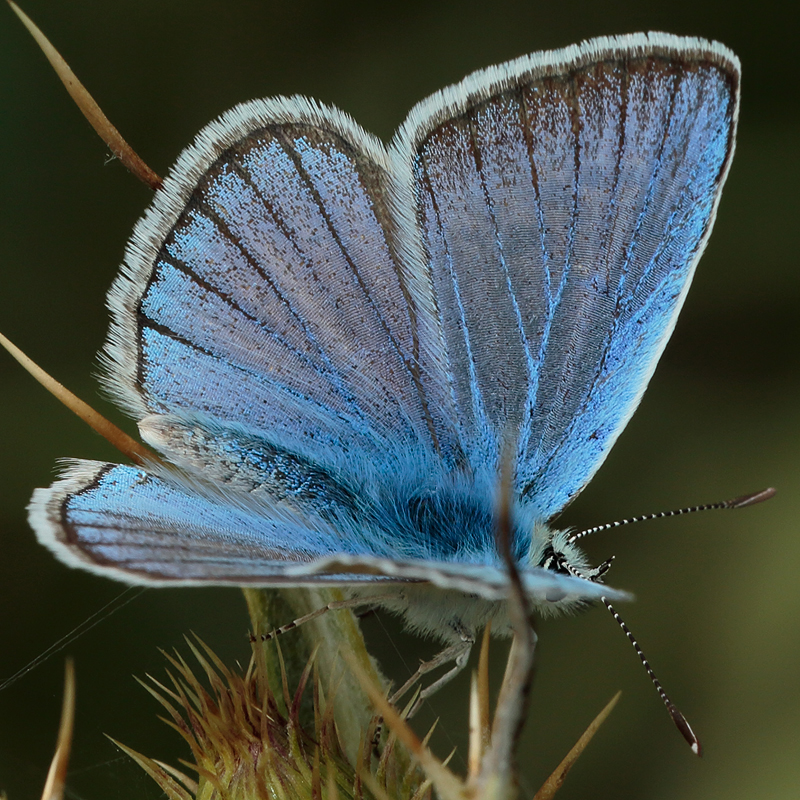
(738, 502)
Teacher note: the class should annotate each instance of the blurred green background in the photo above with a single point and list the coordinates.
(718, 596)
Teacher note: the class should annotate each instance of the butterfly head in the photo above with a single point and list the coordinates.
(556, 552)
(560, 555)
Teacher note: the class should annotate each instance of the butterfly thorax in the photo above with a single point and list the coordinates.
(455, 522)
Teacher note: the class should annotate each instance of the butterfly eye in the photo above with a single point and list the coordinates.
(555, 562)
(548, 559)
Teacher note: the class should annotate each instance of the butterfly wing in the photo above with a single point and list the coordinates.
(266, 333)
(266, 287)
(564, 200)
(124, 522)
(160, 529)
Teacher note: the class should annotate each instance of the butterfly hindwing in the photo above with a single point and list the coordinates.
(160, 529)
(123, 520)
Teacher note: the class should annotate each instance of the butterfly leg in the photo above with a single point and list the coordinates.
(457, 654)
(337, 605)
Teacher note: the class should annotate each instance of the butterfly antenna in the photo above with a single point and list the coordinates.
(677, 717)
(128, 446)
(737, 502)
(89, 108)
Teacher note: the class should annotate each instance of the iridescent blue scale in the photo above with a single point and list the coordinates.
(329, 341)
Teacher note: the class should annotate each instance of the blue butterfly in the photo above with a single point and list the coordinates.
(330, 341)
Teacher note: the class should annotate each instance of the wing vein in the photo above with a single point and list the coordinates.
(339, 381)
(475, 392)
(479, 166)
(292, 153)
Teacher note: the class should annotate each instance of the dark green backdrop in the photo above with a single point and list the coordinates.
(718, 597)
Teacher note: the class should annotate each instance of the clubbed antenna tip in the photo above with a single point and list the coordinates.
(751, 499)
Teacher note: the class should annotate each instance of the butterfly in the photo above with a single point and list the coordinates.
(331, 343)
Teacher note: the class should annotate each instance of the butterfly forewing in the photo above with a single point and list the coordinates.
(564, 205)
(278, 283)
